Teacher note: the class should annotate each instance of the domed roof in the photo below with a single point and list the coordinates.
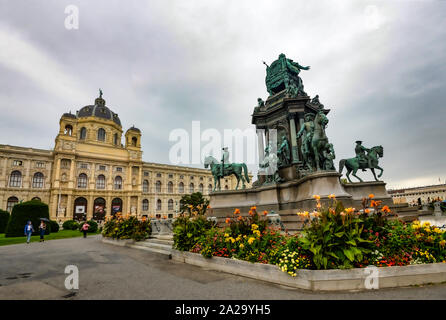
(69, 115)
(133, 128)
(100, 110)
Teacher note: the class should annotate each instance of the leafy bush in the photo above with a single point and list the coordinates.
(188, 230)
(4, 217)
(54, 226)
(128, 227)
(70, 225)
(22, 212)
(93, 226)
(194, 204)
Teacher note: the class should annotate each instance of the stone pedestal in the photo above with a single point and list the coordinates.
(296, 195)
(360, 190)
(437, 209)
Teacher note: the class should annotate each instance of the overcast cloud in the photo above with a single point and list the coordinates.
(379, 66)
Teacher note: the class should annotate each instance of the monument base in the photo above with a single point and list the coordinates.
(360, 190)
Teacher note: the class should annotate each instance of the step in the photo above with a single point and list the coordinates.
(162, 236)
(160, 246)
(160, 241)
(150, 249)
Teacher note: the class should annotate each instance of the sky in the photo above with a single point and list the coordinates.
(378, 65)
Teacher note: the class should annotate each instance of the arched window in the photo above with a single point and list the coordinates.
(181, 187)
(38, 180)
(82, 181)
(158, 186)
(191, 188)
(170, 204)
(158, 204)
(145, 186)
(115, 139)
(200, 188)
(101, 134)
(145, 205)
(68, 130)
(209, 188)
(12, 201)
(83, 134)
(226, 188)
(118, 183)
(170, 187)
(100, 182)
(36, 199)
(15, 180)
(134, 141)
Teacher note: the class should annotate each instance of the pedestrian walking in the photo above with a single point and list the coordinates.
(85, 228)
(28, 230)
(42, 229)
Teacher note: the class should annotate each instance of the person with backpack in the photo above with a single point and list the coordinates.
(29, 229)
(85, 228)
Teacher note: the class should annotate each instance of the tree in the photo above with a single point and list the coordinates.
(194, 202)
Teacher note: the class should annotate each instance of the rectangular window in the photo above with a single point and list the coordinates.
(65, 163)
(40, 164)
(118, 169)
(84, 165)
(17, 163)
(170, 176)
(158, 175)
(146, 173)
(102, 168)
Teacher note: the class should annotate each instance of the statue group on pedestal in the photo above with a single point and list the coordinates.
(317, 152)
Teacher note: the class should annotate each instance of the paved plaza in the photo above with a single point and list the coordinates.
(36, 271)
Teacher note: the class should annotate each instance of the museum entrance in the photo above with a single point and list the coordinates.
(99, 209)
(116, 206)
(80, 209)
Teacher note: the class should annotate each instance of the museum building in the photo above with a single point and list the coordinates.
(91, 174)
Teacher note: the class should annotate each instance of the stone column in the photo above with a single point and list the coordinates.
(90, 207)
(69, 208)
(260, 144)
(294, 147)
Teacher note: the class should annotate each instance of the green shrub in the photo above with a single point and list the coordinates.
(93, 226)
(70, 225)
(22, 212)
(4, 217)
(54, 226)
(127, 228)
(188, 230)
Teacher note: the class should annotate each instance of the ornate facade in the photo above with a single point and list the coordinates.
(425, 193)
(91, 173)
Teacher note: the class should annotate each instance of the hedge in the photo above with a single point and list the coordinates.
(54, 226)
(22, 212)
(70, 225)
(4, 217)
(93, 226)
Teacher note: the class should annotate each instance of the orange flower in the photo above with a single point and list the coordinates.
(331, 196)
(239, 218)
(371, 196)
(236, 211)
(254, 208)
(265, 213)
(317, 197)
(385, 209)
(250, 212)
(227, 220)
(208, 207)
(318, 205)
(367, 210)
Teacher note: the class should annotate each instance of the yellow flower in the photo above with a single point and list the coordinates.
(317, 197)
(242, 245)
(251, 240)
(254, 226)
(331, 196)
(318, 205)
(442, 242)
(226, 235)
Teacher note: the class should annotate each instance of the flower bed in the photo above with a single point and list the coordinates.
(333, 238)
(127, 227)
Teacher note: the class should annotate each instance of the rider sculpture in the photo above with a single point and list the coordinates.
(361, 155)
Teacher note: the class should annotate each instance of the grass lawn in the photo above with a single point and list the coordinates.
(62, 234)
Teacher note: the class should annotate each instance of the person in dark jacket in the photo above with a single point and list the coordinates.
(28, 231)
(42, 229)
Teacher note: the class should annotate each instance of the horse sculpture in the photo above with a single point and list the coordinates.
(353, 164)
(240, 170)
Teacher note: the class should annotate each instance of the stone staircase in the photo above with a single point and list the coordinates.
(407, 213)
(291, 221)
(161, 244)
